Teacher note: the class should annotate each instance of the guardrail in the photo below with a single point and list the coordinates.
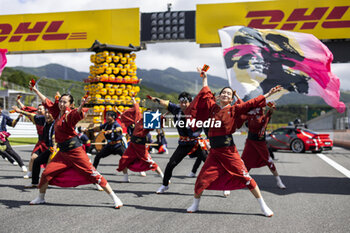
(23, 130)
(342, 138)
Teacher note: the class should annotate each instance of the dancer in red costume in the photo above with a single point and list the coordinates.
(136, 157)
(35, 115)
(224, 168)
(71, 157)
(256, 153)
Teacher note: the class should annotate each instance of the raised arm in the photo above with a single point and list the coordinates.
(132, 115)
(27, 114)
(18, 100)
(204, 77)
(272, 108)
(259, 101)
(164, 103)
(36, 91)
(14, 123)
(11, 122)
(83, 101)
(94, 129)
(58, 95)
(273, 91)
(137, 110)
(118, 129)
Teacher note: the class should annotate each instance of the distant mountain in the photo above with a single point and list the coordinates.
(173, 80)
(55, 71)
(295, 98)
(170, 80)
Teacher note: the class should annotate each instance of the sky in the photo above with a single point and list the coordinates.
(184, 56)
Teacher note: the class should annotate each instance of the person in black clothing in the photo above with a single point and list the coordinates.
(113, 133)
(187, 141)
(161, 142)
(195, 167)
(7, 150)
(35, 115)
(149, 140)
(129, 131)
(272, 155)
(43, 158)
(84, 140)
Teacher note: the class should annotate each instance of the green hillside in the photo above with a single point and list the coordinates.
(167, 81)
(54, 71)
(174, 80)
(49, 86)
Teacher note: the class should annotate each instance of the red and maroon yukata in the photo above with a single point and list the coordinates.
(40, 146)
(136, 157)
(69, 168)
(224, 168)
(256, 153)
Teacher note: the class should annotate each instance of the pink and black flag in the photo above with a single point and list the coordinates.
(3, 59)
(259, 59)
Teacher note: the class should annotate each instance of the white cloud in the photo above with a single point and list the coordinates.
(343, 73)
(185, 55)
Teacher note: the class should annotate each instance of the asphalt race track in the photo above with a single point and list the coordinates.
(317, 199)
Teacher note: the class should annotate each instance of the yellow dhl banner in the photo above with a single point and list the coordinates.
(69, 30)
(323, 18)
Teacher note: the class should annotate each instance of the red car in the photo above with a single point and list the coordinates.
(298, 139)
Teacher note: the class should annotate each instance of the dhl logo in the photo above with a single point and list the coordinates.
(32, 32)
(332, 20)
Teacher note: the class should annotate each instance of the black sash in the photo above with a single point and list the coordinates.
(255, 137)
(70, 144)
(221, 141)
(138, 140)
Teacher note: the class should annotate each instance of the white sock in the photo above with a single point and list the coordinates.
(196, 201)
(113, 196)
(42, 195)
(195, 205)
(278, 179)
(29, 173)
(99, 188)
(227, 193)
(162, 189)
(279, 182)
(126, 177)
(143, 173)
(117, 202)
(38, 200)
(264, 208)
